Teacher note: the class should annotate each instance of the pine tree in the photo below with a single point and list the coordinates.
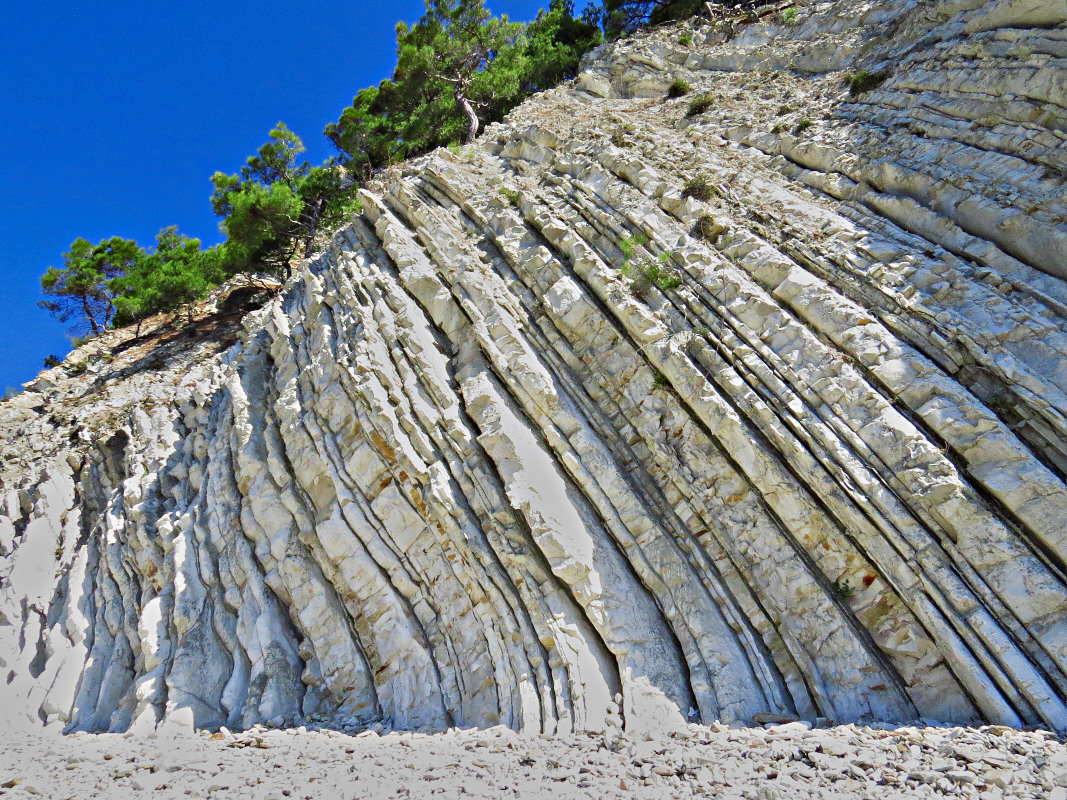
(457, 68)
(87, 284)
(555, 44)
(624, 16)
(457, 41)
(177, 274)
(275, 203)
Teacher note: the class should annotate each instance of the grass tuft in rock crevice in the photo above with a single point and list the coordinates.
(698, 105)
(679, 87)
(863, 81)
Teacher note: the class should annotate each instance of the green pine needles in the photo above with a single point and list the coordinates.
(271, 211)
(458, 68)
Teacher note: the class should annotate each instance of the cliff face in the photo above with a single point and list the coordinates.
(541, 440)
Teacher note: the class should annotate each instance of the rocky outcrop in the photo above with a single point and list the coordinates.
(619, 417)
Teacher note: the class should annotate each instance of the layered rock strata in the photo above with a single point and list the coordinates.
(623, 416)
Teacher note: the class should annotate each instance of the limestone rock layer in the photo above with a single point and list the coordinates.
(623, 416)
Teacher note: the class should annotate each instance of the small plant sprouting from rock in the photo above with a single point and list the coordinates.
(707, 228)
(661, 275)
(52, 361)
(511, 195)
(843, 590)
(685, 40)
(645, 273)
(802, 126)
(863, 81)
(679, 87)
(659, 380)
(698, 105)
(699, 188)
(789, 16)
(77, 367)
(630, 244)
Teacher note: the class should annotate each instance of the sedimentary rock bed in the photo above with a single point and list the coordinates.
(622, 417)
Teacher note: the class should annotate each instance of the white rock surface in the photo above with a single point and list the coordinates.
(783, 761)
(466, 471)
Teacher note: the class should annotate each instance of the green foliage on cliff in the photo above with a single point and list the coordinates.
(276, 204)
(177, 273)
(458, 68)
(271, 208)
(84, 288)
(555, 44)
(455, 63)
(621, 17)
(624, 16)
(117, 281)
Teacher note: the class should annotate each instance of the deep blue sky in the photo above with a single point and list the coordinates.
(113, 116)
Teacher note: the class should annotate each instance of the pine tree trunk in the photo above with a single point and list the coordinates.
(89, 315)
(472, 116)
(313, 226)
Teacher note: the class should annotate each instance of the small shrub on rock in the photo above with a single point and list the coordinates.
(802, 126)
(685, 40)
(630, 244)
(679, 87)
(699, 188)
(644, 273)
(511, 195)
(708, 229)
(662, 279)
(698, 105)
(863, 81)
(618, 136)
